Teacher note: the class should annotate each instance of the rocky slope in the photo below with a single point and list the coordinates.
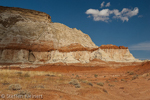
(28, 36)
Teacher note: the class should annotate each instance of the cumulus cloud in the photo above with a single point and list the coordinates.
(125, 14)
(140, 46)
(108, 4)
(102, 4)
(104, 14)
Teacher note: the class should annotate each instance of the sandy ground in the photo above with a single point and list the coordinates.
(95, 83)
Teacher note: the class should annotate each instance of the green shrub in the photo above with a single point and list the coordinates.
(134, 77)
(90, 84)
(131, 73)
(95, 75)
(105, 90)
(24, 92)
(14, 87)
(100, 84)
(111, 85)
(122, 79)
(77, 76)
(75, 82)
(84, 81)
(77, 86)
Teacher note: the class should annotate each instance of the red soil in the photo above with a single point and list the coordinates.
(119, 83)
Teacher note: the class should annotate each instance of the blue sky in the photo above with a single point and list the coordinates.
(118, 22)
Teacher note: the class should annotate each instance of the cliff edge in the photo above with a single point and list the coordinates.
(28, 36)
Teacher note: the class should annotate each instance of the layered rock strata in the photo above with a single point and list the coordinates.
(28, 36)
(110, 46)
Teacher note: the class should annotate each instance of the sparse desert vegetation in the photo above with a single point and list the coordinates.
(75, 84)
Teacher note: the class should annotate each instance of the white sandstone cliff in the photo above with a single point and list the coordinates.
(28, 36)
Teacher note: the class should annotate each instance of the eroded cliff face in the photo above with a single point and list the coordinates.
(11, 15)
(34, 57)
(28, 36)
(33, 30)
(117, 53)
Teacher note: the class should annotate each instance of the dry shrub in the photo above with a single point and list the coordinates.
(111, 85)
(100, 84)
(104, 90)
(95, 75)
(15, 87)
(90, 84)
(24, 92)
(39, 87)
(75, 82)
(134, 77)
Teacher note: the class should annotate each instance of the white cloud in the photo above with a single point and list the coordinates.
(125, 14)
(108, 4)
(140, 46)
(131, 13)
(102, 4)
(104, 14)
(140, 16)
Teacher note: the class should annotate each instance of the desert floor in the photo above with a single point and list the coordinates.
(76, 83)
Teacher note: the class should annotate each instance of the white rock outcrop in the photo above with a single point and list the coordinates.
(28, 36)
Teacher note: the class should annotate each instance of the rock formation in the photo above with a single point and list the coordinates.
(110, 46)
(117, 54)
(28, 36)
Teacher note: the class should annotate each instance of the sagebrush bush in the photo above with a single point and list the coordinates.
(100, 84)
(75, 82)
(24, 92)
(77, 86)
(122, 80)
(15, 87)
(95, 75)
(131, 73)
(111, 85)
(90, 84)
(105, 90)
(134, 77)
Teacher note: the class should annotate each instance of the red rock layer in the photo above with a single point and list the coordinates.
(110, 46)
(27, 44)
(75, 47)
(44, 46)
